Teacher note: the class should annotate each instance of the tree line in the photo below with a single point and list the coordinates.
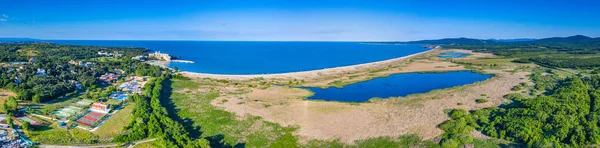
(151, 120)
(565, 54)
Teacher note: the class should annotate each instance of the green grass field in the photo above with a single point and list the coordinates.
(52, 134)
(115, 124)
(224, 126)
(144, 145)
(499, 61)
(113, 102)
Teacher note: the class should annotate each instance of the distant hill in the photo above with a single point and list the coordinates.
(450, 41)
(514, 40)
(577, 39)
(18, 39)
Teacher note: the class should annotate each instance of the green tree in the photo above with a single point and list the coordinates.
(5, 107)
(25, 126)
(36, 99)
(9, 121)
(199, 143)
(12, 104)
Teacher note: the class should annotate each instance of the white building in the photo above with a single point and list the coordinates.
(41, 72)
(115, 53)
(160, 56)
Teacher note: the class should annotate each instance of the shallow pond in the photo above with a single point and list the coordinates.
(452, 55)
(398, 85)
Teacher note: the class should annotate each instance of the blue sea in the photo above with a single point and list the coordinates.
(246, 57)
(397, 85)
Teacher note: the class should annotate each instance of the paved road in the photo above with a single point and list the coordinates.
(96, 146)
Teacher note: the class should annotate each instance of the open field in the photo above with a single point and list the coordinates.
(144, 145)
(346, 122)
(52, 134)
(220, 124)
(116, 123)
(28, 52)
(4, 94)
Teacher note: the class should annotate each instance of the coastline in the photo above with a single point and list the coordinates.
(304, 74)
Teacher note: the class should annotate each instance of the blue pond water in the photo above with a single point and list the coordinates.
(224, 57)
(397, 85)
(452, 55)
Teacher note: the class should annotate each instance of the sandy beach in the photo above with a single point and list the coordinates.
(306, 74)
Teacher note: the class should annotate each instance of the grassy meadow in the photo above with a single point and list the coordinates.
(115, 125)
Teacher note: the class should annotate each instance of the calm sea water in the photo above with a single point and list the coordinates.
(224, 57)
(397, 85)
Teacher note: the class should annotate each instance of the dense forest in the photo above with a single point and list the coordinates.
(579, 52)
(21, 63)
(569, 116)
(22, 51)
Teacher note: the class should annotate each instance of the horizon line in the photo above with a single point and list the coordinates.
(39, 39)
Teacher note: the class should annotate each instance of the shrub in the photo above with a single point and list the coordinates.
(481, 100)
(516, 88)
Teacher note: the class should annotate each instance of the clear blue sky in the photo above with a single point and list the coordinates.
(298, 20)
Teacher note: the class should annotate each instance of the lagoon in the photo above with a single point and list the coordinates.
(255, 57)
(452, 55)
(397, 85)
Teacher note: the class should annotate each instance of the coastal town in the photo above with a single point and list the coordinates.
(87, 104)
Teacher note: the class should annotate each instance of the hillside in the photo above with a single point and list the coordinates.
(18, 39)
(577, 39)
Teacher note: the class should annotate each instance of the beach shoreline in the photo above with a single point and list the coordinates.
(303, 74)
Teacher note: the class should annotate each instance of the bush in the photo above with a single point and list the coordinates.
(481, 100)
(514, 97)
(517, 88)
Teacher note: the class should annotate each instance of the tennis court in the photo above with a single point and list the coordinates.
(27, 119)
(66, 112)
(84, 102)
(91, 118)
